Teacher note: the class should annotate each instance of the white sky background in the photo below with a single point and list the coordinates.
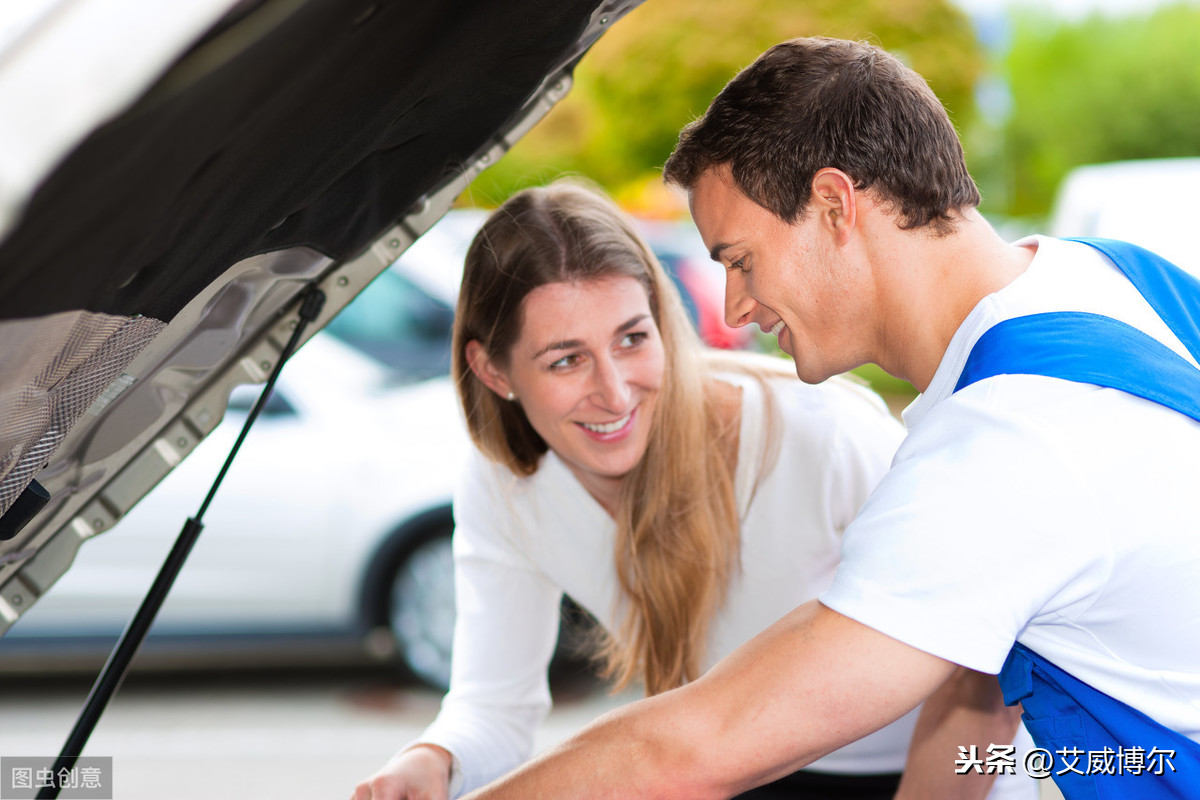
(1068, 9)
(17, 15)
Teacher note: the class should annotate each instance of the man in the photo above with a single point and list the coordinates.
(1032, 523)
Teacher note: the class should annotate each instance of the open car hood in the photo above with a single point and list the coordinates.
(172, 177)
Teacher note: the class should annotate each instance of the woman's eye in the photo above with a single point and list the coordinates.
(565, 361)
(633, 339)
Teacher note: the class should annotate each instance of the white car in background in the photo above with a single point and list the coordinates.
(1153, 202)
(328, 540)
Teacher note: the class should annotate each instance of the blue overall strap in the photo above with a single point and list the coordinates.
(1090, 348)
(1173, 293)
(1075, 722)
(1102, 749)
(1086, 348)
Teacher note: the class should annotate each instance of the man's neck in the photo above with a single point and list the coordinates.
(932, 283)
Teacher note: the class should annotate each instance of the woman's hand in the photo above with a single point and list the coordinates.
(421, 772)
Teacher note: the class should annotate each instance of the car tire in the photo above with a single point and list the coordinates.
(414, 598)
(420, 608)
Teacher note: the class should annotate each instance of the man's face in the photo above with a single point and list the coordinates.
(791, 279)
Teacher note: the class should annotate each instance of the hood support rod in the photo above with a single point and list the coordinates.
(117, 666)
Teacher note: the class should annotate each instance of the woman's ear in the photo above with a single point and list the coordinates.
(486, 370)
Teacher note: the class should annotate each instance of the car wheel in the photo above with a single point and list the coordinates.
(421, 609)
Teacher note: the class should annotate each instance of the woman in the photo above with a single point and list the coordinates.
(686, 499)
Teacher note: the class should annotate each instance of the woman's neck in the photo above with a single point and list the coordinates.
(605, 491)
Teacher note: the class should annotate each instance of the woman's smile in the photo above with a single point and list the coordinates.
(610, 431)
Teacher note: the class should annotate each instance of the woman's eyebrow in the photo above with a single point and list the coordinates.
(566, 344)
(633, 322)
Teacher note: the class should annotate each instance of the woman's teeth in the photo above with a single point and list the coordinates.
(611, 427)
(776, 328)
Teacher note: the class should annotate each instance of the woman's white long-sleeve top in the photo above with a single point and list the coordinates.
(520, 543)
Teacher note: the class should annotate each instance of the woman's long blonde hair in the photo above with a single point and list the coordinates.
(677, 525)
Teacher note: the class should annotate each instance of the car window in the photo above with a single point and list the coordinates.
(399, 324)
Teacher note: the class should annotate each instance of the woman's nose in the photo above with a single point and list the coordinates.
(611, 385)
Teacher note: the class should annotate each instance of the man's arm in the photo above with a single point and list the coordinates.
(967, 710)
(807, 685)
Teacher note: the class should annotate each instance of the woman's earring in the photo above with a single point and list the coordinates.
(510, 396)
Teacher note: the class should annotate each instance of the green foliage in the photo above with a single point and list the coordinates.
(887, 385)
(661, 65)
(1101, 89)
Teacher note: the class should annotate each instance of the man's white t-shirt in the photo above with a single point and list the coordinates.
(1061, 515)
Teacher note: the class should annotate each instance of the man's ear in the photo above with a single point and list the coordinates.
(486, 370)
(834, 199)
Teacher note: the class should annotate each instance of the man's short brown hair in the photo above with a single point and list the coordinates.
(807, 104)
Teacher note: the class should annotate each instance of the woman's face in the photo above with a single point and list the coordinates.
(586, 369)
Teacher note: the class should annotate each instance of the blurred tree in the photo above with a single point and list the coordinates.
(1100, 89)
(661, 65)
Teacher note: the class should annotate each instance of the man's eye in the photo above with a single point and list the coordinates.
(739, 265)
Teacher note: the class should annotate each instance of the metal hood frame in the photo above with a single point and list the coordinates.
(156, 261)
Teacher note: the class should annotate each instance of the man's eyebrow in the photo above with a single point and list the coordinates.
(568, 344)
(718, 248)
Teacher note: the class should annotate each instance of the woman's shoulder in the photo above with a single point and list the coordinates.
(839, 395)
(747, 368)
(832, 419)
(496, 478)
(492, 490)
(841, 411)
(497, 511)
(771, 391)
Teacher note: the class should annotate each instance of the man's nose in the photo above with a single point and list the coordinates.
(738, 303)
